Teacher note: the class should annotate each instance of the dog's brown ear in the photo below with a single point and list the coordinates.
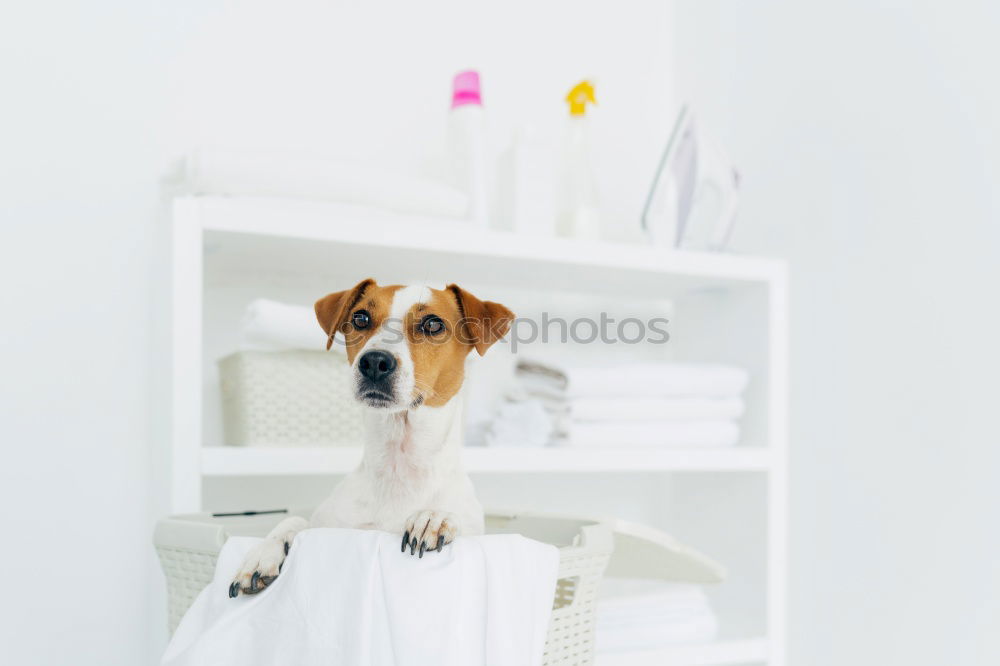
(483, 322)
(332, 309)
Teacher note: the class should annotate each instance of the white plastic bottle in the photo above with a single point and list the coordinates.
(579, 211)
(467, 138)
(527, 194)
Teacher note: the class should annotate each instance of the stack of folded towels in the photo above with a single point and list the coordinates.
(272, 326)
(638, 404)
(665, 614)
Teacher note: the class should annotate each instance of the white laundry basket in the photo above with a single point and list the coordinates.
(289, 398)
(189, 545)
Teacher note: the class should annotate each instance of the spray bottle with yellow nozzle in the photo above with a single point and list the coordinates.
(579, 214)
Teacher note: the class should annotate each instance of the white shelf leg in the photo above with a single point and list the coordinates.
(185, 391)
(777, 575)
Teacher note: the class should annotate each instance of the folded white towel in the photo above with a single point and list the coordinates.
(700, 380)
(647, 380)
(663, 632)
(651, 434)
(656, 409)
(272, 326)
(652, 596)
(520, 424)
(350, 597)
(664, 614)
(269, 173)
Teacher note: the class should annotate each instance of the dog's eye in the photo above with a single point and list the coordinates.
(361, 319)
(431, 325)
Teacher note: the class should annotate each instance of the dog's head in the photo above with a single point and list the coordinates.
(407, 345)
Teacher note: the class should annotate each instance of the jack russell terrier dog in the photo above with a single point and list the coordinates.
(407, 348)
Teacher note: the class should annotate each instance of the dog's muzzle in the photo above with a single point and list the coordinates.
(375, 386)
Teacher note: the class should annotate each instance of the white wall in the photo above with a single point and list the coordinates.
(869, 140)
(82, 100)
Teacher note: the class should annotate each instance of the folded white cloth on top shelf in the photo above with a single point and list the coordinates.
(667, 614)
(273, 326)
(630, 434)
(655, 409)
(269, 173)
(350, 597)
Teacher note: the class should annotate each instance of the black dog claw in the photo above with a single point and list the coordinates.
(234, 589)
(423, 547)
(413, 546)
(406, 540)
(253, 581)
(287, 546)
(440, 543)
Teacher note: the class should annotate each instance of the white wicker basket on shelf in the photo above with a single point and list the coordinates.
(289, 398)
(188, 547)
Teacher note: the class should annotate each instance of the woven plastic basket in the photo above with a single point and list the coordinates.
(189, 545)
(289, 398)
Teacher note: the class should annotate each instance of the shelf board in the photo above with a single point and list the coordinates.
(317, 460)
(247, 235)
(698, 654)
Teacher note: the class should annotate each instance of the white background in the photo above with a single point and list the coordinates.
(870, 142)
(868, 139)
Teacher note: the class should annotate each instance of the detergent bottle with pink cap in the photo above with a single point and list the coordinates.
(467, 138)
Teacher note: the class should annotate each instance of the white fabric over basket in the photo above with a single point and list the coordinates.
(351, 597)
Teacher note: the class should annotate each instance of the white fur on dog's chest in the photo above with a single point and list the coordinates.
(411, 462)
(410, 481)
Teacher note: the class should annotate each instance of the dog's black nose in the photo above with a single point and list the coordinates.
(376, 365)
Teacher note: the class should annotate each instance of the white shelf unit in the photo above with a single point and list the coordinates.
(292, 461)
(732, 502)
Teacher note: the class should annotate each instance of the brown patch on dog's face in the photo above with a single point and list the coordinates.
(428, 331)
(343, 311)
(439, 358)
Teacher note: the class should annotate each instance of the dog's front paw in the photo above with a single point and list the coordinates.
(260, 567)
(429, 530)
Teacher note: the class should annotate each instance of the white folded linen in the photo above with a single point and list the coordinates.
(269, 173)
(637, 597)
(701, 380)
(656, 632)
(648, 380)
(547, 374)
(666, 614)
(652, 434)
(540, 387)
(350, 597)
(520, 424)
(655, 409)
(272, 326)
